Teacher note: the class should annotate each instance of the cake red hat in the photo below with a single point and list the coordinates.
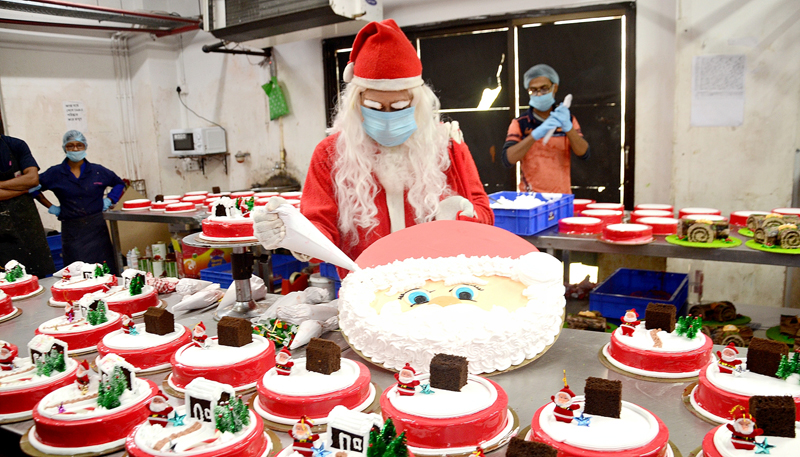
(567, 391)
(632, 311)
(286, 351)
(382, 58)
(85, 364)
(201, 325)
(732, 347)
(409, 368)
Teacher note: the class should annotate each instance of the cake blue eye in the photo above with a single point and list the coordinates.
(465, 292)
(417, 297)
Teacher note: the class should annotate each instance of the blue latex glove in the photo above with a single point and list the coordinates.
(54, 210)
(548, 124)
(107, 203)
(564, 118)
(34, 189)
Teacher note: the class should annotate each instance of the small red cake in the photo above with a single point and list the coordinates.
(196, 199)
(240, 367)
(640, 213)
(697, 211)
(182, 207)
(608, 216)
(23, 384)
(204, 193)
(17, 283)
(73, 286)
(147, 352)
(718, 443)
(655, 206)
(661, 225)
(227, 222)
(284, 399)
(449, 421)
(242, 194)
(739, 218)
(606, 206)
(580, 226)
(628, 233)
(6, 308)
(71, 421)
(139, 204)
(579, 204)
(161, 206)
(82, 326)
(135, 301)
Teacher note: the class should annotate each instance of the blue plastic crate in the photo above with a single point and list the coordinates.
(328, 270)
(534, 220)
(221, 274)
(55, 250)
(627, 288)
(283, 266)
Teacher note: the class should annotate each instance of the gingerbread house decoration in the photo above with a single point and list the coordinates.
(110, 362)
(203, 396)
(225, 207)
(88, 302)
(128, 275)
(348, 430)
(11, 264)
(88, 269)
(42, 344)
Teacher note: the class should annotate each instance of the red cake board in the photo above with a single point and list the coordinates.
(444, 239)
(687, 392)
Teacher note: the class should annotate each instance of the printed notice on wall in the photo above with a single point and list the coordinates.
(718, 91)
(75, 116)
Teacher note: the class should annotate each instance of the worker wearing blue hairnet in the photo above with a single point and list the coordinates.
(545, 166)
(80, 186)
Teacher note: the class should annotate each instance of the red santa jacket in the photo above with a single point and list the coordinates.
(742, 441)
(303, 446)
(319, 197)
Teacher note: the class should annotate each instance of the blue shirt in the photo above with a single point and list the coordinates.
(83, 196)
(20, 149)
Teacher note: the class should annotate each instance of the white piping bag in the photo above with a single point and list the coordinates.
(567, 103)
(303, 237)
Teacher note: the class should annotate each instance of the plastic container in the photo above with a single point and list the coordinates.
(221, 274)
(55, 250)
(627, 288)
(534, 220)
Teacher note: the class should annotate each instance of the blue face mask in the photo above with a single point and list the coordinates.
(389, 128)
(76, 156)
(542, 102)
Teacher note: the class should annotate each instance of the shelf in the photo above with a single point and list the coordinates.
(201, 159)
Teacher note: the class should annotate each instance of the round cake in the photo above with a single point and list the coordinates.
(608, 216)
(718, 443)
(83, 325)
(579, 204)
(717, 393)
(72, 287)
(6, 307)
(197, 200)
(661, 225)
(72, 420)
(448, 421)
(627, 233)
(182, 207)
(147, 352)
(655, 206)
(580, 226)
(678, 356)
(138, 204)
(131, 300)
(204, 193)
(606, 206)
(636, 433)
(787, 211)
(739, 218)
(23, 383)
(162, 205)
(640, 213)
(17, 283)
(228, 222)
(487, 286)
(697, 211)
(285, 399)
(240, 367)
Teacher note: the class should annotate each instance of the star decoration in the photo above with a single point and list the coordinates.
(177, 420)
(426, 389)
(763, 447)
(582, 420)
(320, 451)
(134, 331)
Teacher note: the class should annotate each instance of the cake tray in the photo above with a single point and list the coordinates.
(8, 317)
(26, 296)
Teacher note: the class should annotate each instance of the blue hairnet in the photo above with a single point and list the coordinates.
(73, 135)
(540, 70)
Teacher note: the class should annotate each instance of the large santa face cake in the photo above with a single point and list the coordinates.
(453, 287)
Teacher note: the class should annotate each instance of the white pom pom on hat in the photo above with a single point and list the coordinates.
(382, 58)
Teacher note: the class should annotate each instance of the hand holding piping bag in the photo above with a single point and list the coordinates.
(567, 102)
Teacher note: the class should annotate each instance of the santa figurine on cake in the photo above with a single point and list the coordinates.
(82, 380)
(727, 361)
(565, 403)
(6, 357)
(303, 437)
(743, 430)
(127, 325)
(629, 322)
(406, 384)
(478, 452)
(159, 410)
(390, 162)
(69, 312)
(283, 363)
(199, 334)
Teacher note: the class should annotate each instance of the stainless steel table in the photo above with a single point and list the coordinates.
(528, 388)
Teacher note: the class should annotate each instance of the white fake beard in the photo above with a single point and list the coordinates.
(393, 168)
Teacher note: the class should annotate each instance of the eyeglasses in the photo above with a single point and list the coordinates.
(540, 91)
(74, 146)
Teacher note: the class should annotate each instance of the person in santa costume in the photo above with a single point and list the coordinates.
(128, 325)
(7, 355)
(82, 379)
(389, 163)
(565, 404)
(159, 410)
(283, 364)
(303, 437)
(629, 322)
(743, 430)
(726, 360)
(406, 384)
(199, 334)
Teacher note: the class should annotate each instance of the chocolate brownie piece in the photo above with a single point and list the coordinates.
(518, 447)
(323, 356)
(660, 315)
(774, 414)
(233, 331)
(449, 372)
(603, 397)
(158, 321)
(764, 356)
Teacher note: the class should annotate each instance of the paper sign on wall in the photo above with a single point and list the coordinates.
(75, 116)
(718, 90)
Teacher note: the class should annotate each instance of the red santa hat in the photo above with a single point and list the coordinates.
(632, 311)
(305, 420)
(201, 325)
(409, 368)
(6, 346)
(567, 391)
(84, 365)
(382, 58)
(732, 347)
(286, 351)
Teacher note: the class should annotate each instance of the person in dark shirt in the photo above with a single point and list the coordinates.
(21, 231)
(80, 186)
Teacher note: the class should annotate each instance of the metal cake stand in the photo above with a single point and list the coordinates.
(242, 269)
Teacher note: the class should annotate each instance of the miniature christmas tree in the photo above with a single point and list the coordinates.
(232, 417)
(110, 390)
(51, 362)
(14, 274)
(794, 364)
(97, 316)
(250, 204)
(680, 326)
(784, 369)
(98, 271)
(397, 448)
(137, 284)
(106, 270)
(240, 410)
(380, 440)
